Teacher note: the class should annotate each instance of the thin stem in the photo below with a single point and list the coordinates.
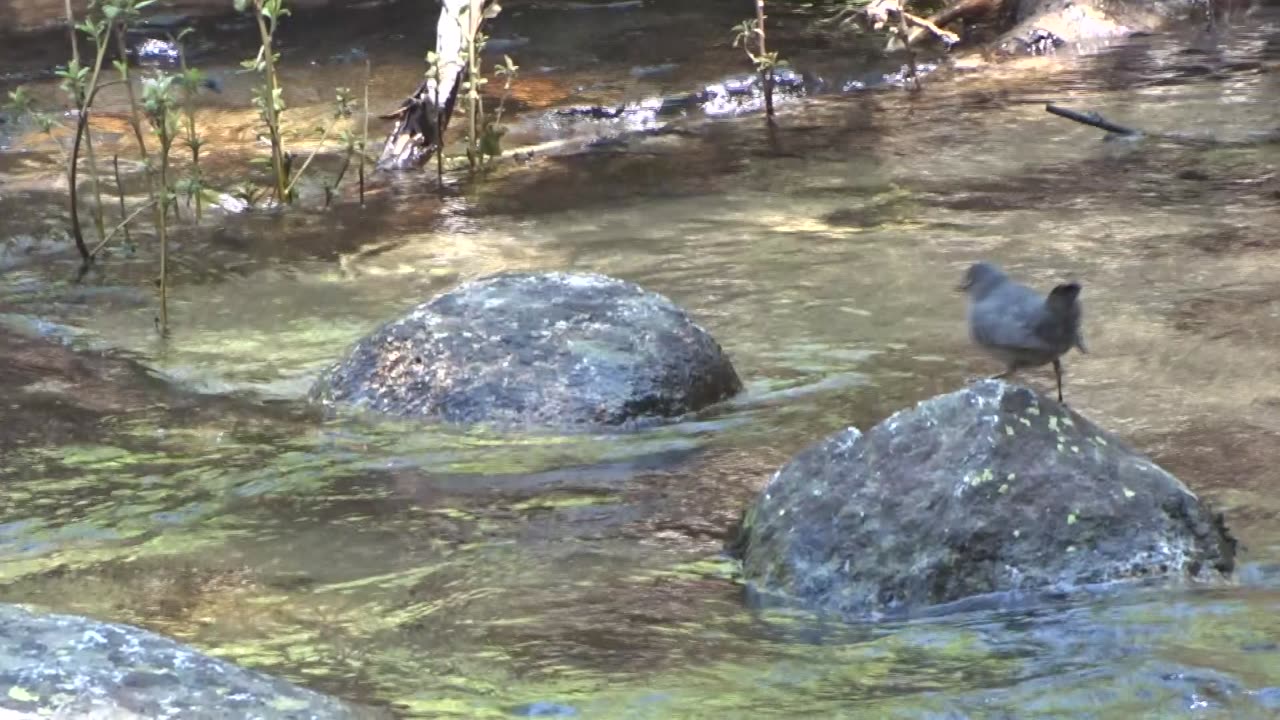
(315, 151)
(115, 163)
(364, 136)
(193, 140)
(72, 182)
(269, 102)
(135, 116)
(439, 125)
(766, 71)
(337, 180)
(87, 98)
(72, 164)
(71, 30)
(473, 76)
(165, 141)
(99, 222)
(123, 225)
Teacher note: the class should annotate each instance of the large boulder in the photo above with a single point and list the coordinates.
(549, 349)
(989, 489)
(68, 666)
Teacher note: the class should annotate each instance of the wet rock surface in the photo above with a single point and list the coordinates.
(993, 488)
(1046, 26)
(544, 349)
(68, 666)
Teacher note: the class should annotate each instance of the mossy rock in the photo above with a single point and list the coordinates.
(990, 489)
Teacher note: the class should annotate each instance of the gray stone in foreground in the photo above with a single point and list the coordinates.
(546, 349)
(990, 489)
(66, 666)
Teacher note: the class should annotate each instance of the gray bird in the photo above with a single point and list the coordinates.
(1018, 326)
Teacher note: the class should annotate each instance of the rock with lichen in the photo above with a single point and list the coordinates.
(68, 666)
(990, 490)
(545, 349)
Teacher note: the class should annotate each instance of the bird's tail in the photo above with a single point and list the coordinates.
(1064, 296)
(1062, 302)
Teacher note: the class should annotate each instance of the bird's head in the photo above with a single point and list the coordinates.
(980, 278)
(1064, 296)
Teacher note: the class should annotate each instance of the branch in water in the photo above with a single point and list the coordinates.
(947, 37)
(1092, 119)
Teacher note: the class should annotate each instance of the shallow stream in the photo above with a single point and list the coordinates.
(451, 573)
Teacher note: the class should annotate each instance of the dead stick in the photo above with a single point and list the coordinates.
(1092, 119)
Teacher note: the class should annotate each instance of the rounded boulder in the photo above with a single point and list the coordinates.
(66, 666)
(549, 349)
(989, 490)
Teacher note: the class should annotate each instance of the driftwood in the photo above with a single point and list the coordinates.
(423, 116)
(1093, 119)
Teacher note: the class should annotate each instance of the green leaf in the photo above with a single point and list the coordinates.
(241, 5)
(492, 11)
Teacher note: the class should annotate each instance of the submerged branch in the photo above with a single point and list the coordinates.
(1092, 119)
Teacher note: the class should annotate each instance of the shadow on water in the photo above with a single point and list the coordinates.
(449, 572)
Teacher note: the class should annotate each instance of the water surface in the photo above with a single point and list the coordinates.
(453, 573)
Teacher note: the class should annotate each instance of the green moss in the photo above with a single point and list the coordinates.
(563, 501)
(21, 694)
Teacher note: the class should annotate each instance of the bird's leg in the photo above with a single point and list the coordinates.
(1057, 374)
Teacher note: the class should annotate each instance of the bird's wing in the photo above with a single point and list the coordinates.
(1010, 318)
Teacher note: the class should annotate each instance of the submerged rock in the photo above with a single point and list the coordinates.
(549, 349)
(989, 489)
(68, 666)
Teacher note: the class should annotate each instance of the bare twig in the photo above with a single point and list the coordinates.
(122, 226)
(324, 136)
(1092, 119)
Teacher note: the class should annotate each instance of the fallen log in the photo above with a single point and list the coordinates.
(423, 116)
